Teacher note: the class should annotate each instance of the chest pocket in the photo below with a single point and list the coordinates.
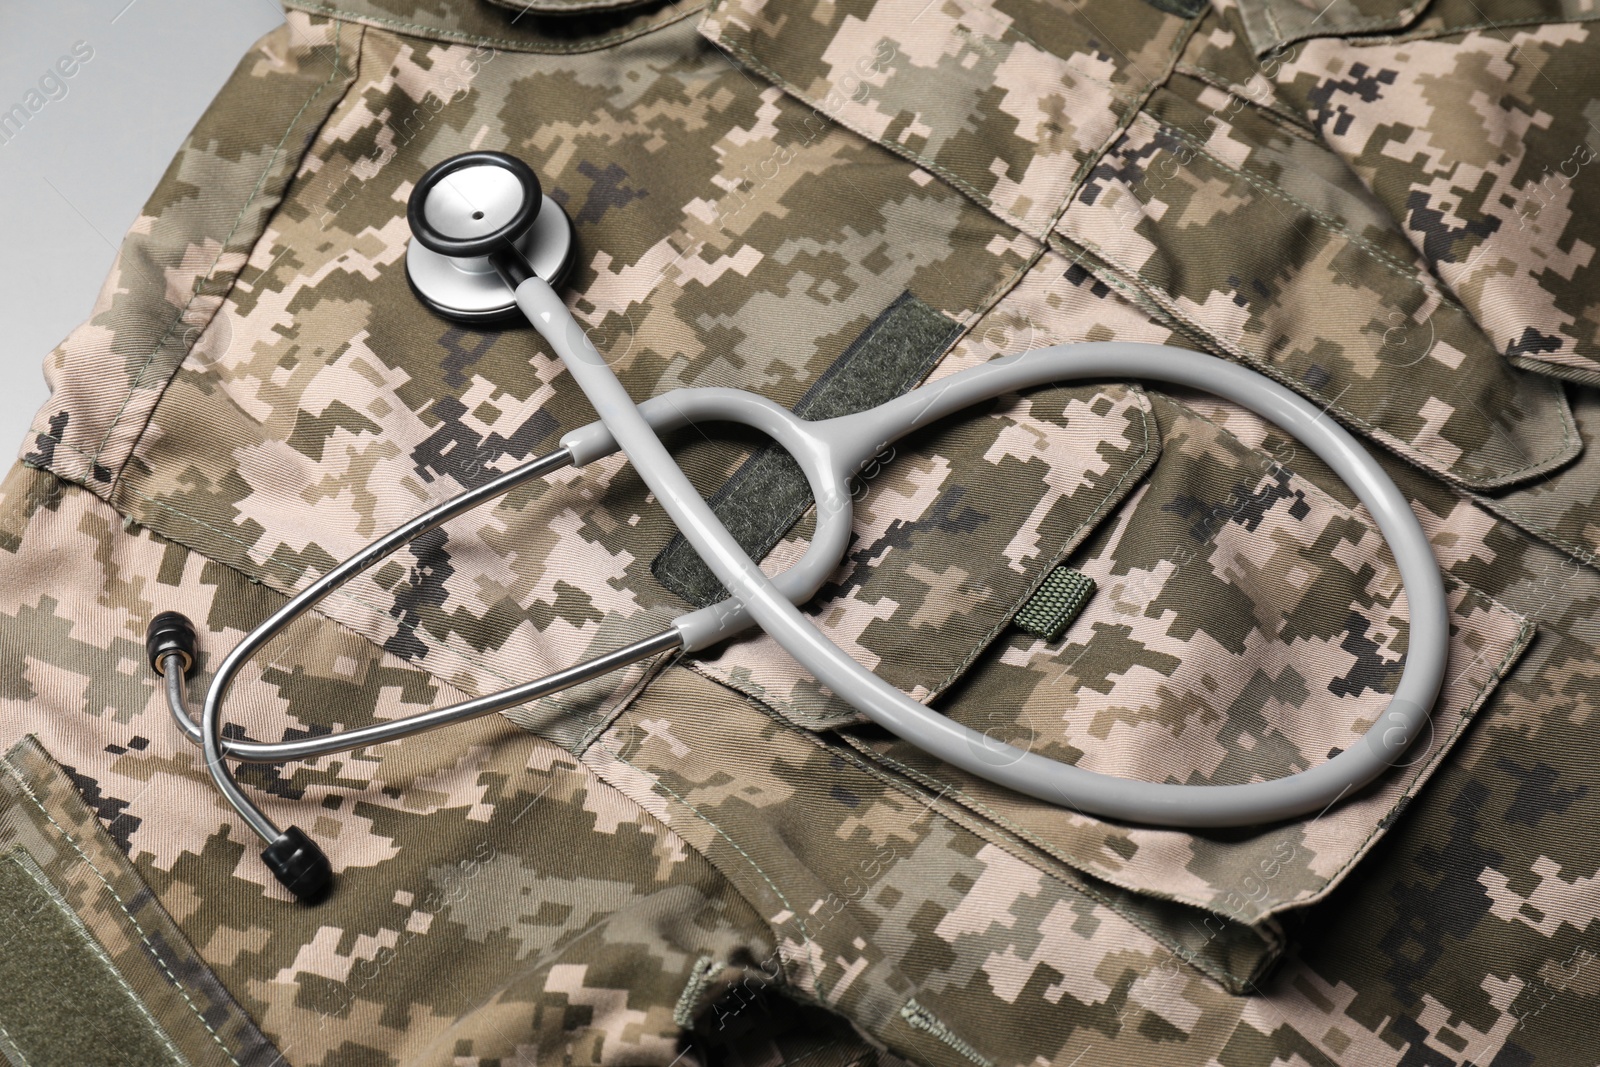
(1246, 626)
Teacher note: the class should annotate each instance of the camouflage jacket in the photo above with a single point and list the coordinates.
(712, 859)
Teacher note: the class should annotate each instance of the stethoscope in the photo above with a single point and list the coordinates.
(488, 244)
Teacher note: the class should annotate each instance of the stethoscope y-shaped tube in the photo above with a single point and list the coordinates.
(1027, 772)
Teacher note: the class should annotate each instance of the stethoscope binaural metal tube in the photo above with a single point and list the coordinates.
(393, 730)
(175, 657)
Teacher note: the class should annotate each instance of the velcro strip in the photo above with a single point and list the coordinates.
(768, 493)
(62, 1000)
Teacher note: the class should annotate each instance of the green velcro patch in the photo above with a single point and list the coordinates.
(1057, 601)
(769, 493)
(62, 1000)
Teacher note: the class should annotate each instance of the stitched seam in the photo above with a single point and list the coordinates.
(1322, 494)
(1133, 102)
(1126, 96)
(138, 380)
(918, 1017)
(1271, 932)
(94, 946)
(1103, 271)
(1326, 498)
(977, 808)
(232, 282)
(1406, 272)
(1014, 34)
(699, 978)
(435, 32)
(997, 292)
(1154, 293)
(1403, 16)
(184, 993)
(1569, 366)
(799, 920)
(972, 825)
(1294, 124)
(1271, 16)
(345, 593)
(12, 1042)
(604, 717)
(899, 150)
(1542, 532)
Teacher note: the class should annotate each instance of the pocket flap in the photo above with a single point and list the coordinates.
(953, 533)
(1248, 626)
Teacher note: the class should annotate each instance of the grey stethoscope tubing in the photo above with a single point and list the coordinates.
(837, 446)
(830, 453)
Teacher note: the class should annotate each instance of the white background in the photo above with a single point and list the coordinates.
(75, 177)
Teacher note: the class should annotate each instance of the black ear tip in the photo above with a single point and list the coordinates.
(297, 862)
(170, 632)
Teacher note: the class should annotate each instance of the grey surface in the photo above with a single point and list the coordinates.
(75, 176)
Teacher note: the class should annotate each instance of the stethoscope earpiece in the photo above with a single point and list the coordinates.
(482, 224)
(299, 866)
(294, 859)
(171, 634)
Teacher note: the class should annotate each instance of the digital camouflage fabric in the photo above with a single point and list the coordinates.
(1390, 207)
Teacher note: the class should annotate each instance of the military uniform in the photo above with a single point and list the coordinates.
(1388, 206)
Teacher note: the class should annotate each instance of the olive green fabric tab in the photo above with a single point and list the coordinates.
(768, 493)
(1058, 600)
(61, 999)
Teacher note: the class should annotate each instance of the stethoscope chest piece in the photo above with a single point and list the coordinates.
(481, 223)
